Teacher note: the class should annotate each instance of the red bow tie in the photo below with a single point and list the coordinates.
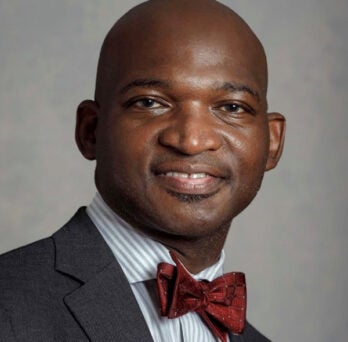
(220, 303)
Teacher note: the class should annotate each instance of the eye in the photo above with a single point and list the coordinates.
(232, 108)
(147, 103)
(232, 111)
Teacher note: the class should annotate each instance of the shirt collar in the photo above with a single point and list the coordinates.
(137, 254)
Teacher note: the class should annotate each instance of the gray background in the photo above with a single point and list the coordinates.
(291, 242)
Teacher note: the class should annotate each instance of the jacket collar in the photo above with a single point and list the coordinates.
(104, 304)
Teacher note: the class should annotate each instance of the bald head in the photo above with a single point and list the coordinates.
(181, 90)
(177, 26)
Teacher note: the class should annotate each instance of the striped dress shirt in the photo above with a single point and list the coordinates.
(139, 256)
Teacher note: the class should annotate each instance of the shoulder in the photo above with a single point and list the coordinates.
(32, 292)
(26, 273)
(29, 272)
(39, 255)
(26, 259)
(24, 280)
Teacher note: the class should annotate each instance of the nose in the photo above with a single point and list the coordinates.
(191, 131)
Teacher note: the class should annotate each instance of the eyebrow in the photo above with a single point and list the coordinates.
(226, 86)
(236, 87)
(144, 82)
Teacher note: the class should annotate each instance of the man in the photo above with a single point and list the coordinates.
(181, 138)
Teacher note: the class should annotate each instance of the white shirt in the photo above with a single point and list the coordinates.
(138, 257)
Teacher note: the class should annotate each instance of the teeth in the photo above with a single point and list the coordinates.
(177, 174)
(186, 175)
(198, 175)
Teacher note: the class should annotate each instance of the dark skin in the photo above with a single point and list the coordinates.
(179, 126)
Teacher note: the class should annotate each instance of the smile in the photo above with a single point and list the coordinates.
(189, 181)
(186, 175)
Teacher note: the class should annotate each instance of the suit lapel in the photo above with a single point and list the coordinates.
(250, 334)
(104, 304)
(107, 310)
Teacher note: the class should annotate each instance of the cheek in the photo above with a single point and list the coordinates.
(249, 152)
(249, 144)
(126, 154)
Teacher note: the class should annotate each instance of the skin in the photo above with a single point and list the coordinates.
(175, 99)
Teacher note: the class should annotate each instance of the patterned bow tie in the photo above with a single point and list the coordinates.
(220, 303)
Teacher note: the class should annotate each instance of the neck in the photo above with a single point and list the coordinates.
(197, 254)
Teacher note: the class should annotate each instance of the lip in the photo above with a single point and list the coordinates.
(189, 168)
(168, 175)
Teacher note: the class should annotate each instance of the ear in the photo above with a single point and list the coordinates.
(276, 124)
(86, 125)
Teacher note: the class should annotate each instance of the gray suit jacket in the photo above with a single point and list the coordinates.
(69, 287)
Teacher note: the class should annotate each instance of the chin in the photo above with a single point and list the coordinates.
(184, 225)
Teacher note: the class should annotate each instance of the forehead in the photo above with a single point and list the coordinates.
(171, 46)
(197, 65)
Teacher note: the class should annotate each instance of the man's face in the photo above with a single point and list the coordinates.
(182, 135)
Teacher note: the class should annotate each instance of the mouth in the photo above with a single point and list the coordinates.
(190, 182)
